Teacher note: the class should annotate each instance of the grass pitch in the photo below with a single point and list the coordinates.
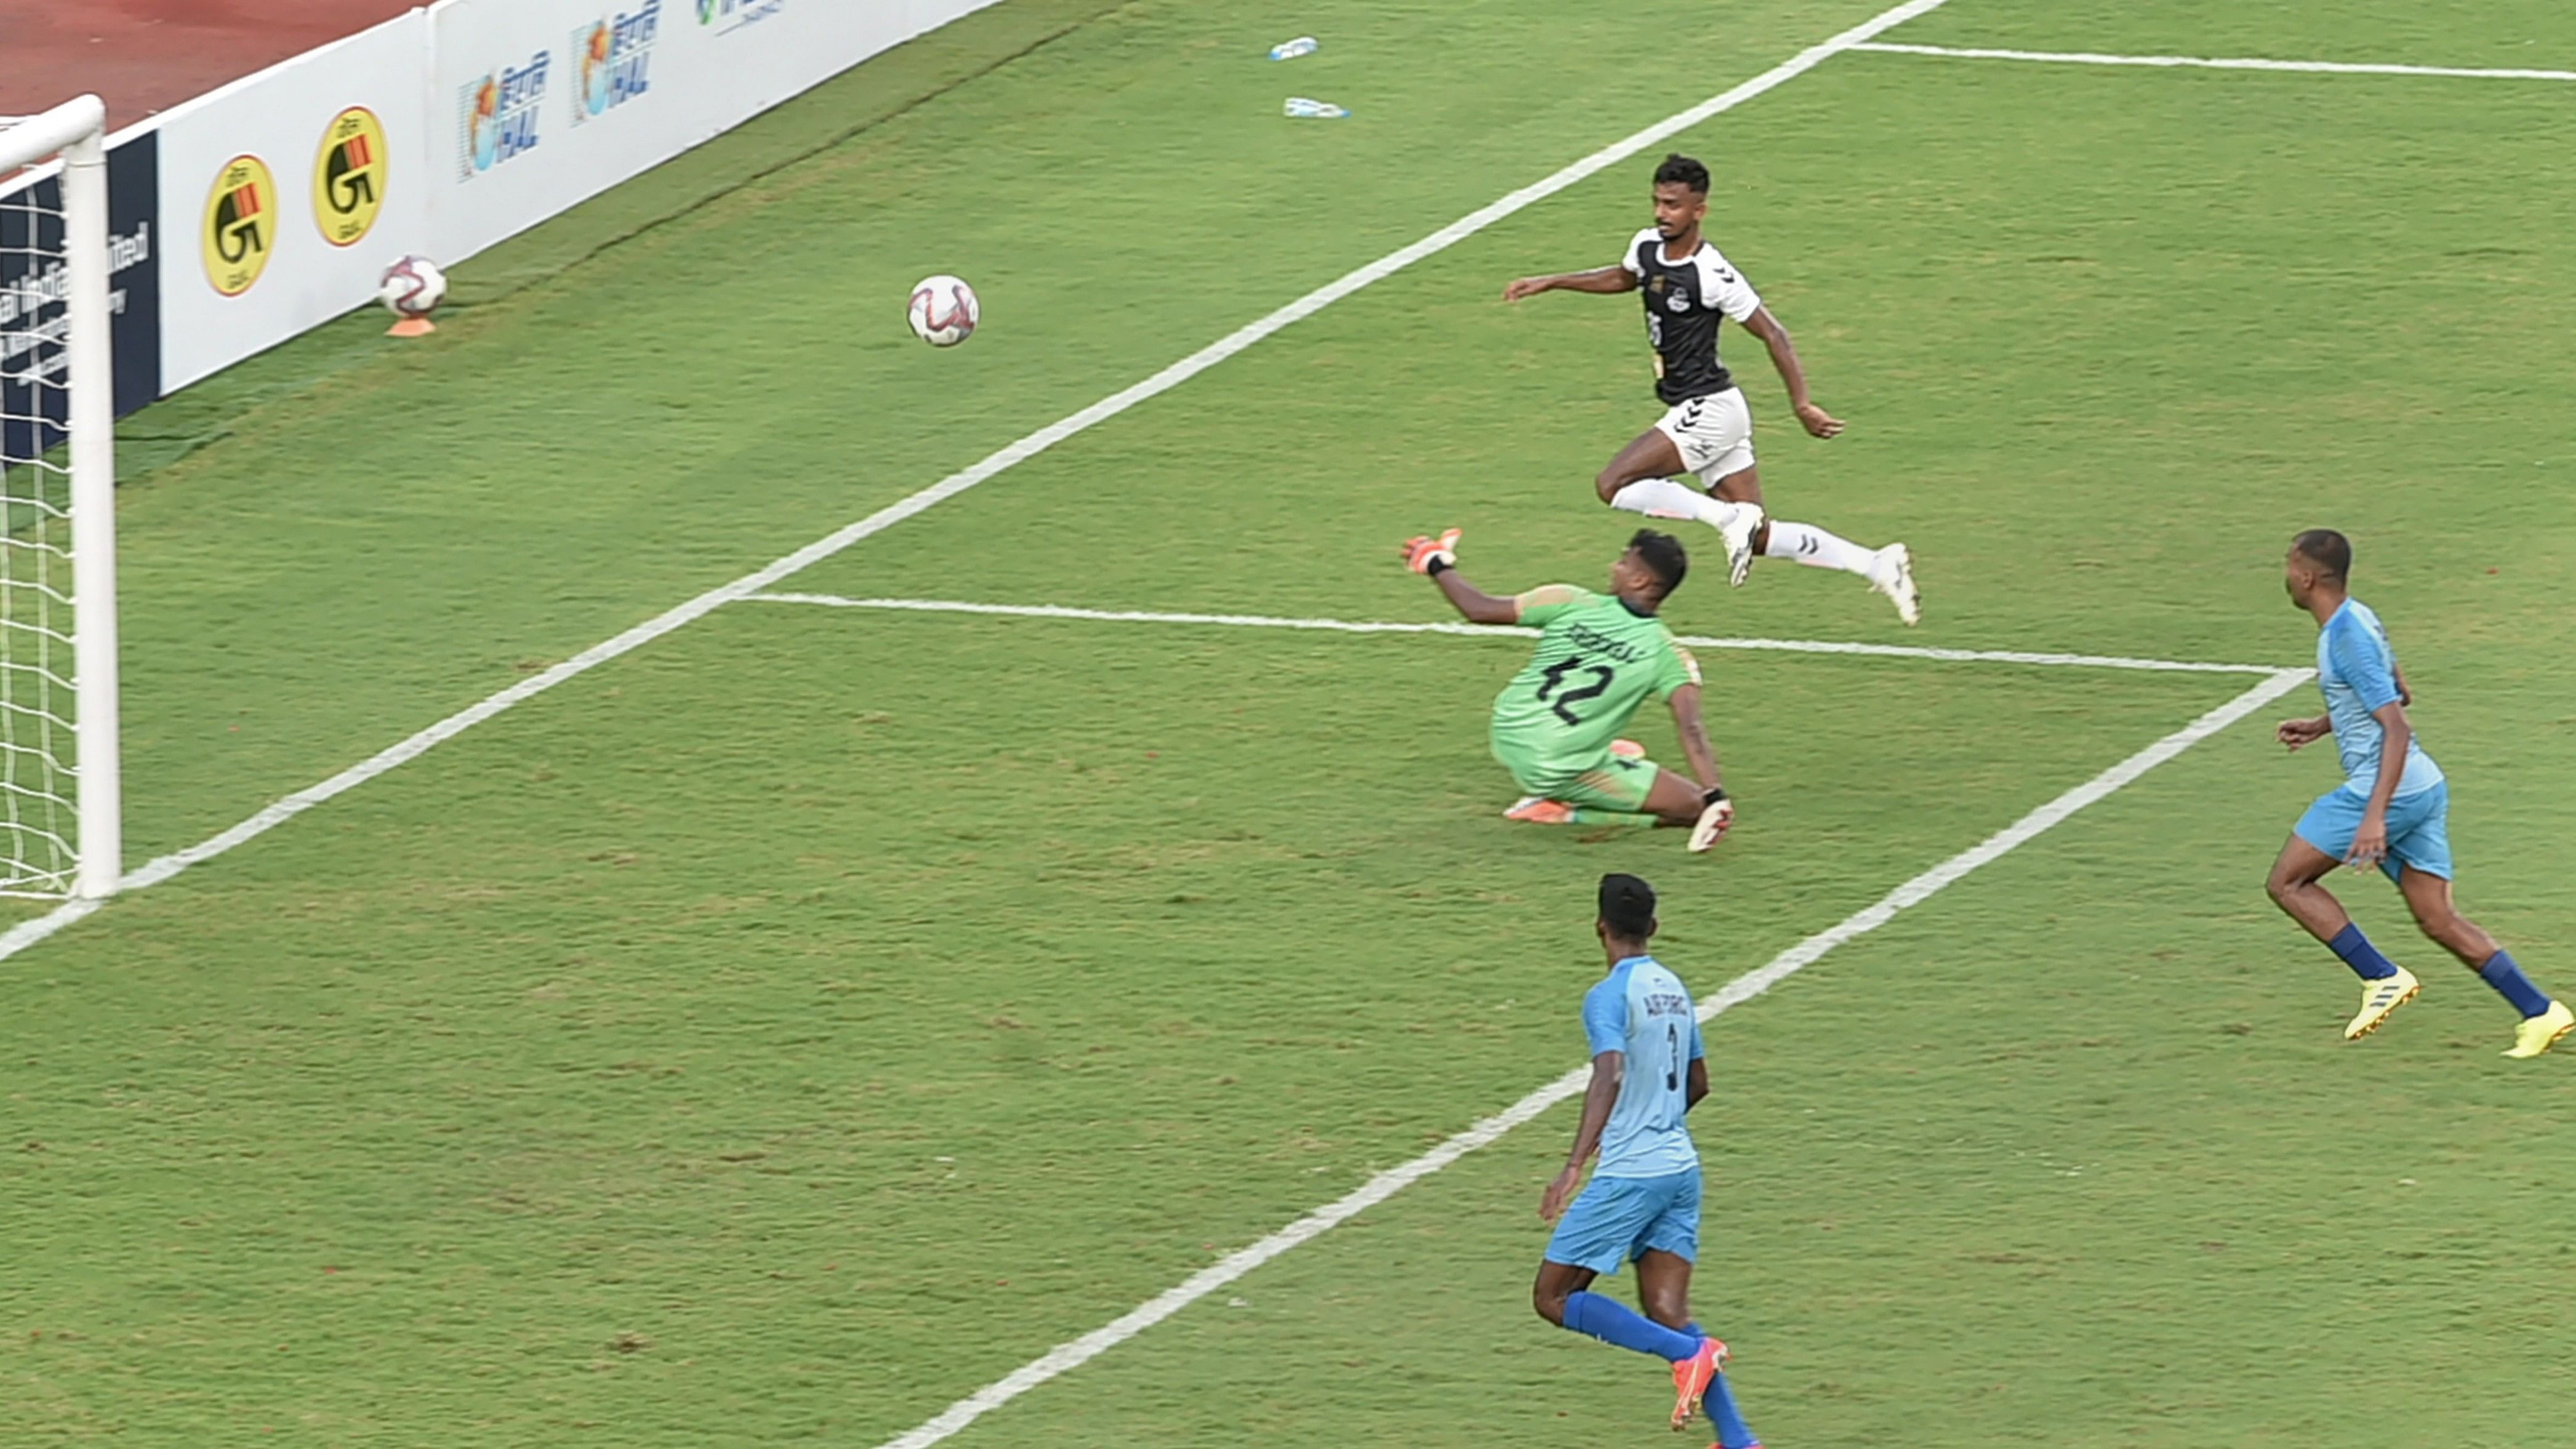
(786, 1029)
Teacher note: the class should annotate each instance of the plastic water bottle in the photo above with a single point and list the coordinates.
(1291, 49)
(1301, 107)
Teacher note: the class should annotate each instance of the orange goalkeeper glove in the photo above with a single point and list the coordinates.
(1423, 551)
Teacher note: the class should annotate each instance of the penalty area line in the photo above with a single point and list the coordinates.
(2191, 62)
(1362, 626)
(32, 932)
(1071, 1355)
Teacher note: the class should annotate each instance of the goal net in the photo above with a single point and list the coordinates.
(59, 789)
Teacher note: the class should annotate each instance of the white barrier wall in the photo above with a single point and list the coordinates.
(546, 102)
(285, 195)
(282, 197)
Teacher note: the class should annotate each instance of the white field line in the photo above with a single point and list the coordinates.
(1351, 626)
(28, 933)
(2327, 67)
(1065, 1357)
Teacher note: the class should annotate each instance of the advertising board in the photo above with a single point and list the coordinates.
(286, 194)
(33, 317)
(549, 102)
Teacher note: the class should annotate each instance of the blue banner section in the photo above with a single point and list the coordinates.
(33, 293)
(134, 289)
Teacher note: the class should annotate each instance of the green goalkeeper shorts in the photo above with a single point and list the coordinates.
(1610, 782)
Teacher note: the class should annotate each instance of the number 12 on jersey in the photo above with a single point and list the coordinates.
(1555, 675)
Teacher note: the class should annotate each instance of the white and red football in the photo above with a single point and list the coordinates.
(944, 311)
(412, 288)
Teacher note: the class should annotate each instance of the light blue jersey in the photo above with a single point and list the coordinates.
(1642, 1011)
(2358, 672)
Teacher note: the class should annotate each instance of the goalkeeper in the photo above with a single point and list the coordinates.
(1556, 725)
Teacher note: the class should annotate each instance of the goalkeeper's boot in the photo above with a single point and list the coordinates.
(1423, 550)
(1692, 1376)
(1539, 810)
(2538, 1034)
(2378, 999)
(1743, 521)
(1892, 573)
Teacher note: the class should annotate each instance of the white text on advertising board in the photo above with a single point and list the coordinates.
(26, 297)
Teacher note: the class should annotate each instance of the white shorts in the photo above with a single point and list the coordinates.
(1714, 434)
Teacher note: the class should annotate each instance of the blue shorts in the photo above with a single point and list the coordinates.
(1615, 1220)
(2418, 828)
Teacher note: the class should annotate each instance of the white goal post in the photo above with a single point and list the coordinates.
(60, 793)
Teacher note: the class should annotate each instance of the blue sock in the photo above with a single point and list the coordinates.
(1723, 1416)
(1611, 1321)
(1728, 1420)
(2360, 955)
(2513, 986)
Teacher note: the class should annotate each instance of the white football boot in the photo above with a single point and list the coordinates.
(1743, 520)
(1894, 577)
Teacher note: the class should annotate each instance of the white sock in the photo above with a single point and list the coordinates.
(1670, 498)
(1807, 544)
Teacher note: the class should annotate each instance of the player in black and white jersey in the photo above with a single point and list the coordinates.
(1707, 431)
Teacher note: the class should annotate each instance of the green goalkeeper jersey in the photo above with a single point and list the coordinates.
(1596, 662)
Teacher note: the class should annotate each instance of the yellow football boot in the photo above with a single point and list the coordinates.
(2378, 999)
(2538, 1034)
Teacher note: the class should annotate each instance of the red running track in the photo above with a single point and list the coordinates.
(145, 56)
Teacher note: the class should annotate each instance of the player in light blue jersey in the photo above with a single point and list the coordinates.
(2392, 811)
(1642, 1205)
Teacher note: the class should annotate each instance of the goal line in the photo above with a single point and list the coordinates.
(1357, 626)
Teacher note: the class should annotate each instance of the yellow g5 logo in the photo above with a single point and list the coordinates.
(241, 225)
(349, 176)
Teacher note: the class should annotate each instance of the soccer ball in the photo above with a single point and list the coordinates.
(412, 288)
(944, 311)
